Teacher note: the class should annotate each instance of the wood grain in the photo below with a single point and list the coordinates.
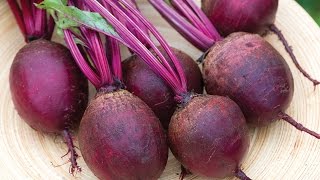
(276, 152)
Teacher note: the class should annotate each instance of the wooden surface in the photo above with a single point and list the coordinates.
(276, 152)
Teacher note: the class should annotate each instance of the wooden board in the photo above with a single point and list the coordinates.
(276, 152)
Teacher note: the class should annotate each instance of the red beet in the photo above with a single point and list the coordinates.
(212, 140)
(121, 139)
(253, 16)
(144, 83)
(251, 72)
(228, 16)
(47, 88)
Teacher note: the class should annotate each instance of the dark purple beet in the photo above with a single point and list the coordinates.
(144, 83)
(250, 71)
(121, 139)
(230, 16)
(209, 136)
(47, 87)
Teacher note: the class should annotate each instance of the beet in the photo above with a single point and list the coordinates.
(48, 90)
(212, 140)
(121, 139)
(144, 83)
(228, 16)
(251, 72)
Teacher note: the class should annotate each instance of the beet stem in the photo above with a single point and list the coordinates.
(184, 27)
(289, 50)
(241, 175)
(74, 167)
(184, 173)
(17, 12)
(297, 125)
(164, 44)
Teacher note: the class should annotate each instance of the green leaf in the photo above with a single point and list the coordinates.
(67, 17)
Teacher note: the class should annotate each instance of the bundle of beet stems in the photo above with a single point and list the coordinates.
(141, 80)
(200, 131)
(48, 90)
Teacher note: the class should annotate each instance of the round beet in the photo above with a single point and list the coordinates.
(250, 71)
(144, 83)
(47, 87)
(212, 141)
(228, 16)
(121, 139)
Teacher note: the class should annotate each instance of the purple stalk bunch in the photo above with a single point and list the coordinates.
(34, 23)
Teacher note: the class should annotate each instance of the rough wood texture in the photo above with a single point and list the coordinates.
(276, 152)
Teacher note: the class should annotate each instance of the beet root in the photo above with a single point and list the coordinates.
(144, 83)
(229, 16)
(212, 141)
(251, 72)
(49, 91)
(47, 87)
(121, 139)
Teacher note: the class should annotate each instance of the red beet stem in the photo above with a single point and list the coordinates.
(289, 50)
(14, 6)
(183, 26)
(33, 22)
(196, 16)
(241, 175)
(116, 58)
(80, 60)
(297, 125)
(145, 36)
(137, 21)
(163, 43)
(184, 172)
(159, 64)
(74, 167)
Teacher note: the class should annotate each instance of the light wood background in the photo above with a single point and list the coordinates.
(276, 152)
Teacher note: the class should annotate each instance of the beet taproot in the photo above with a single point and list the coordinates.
(144, 83)
(212, 140)
(121, 139)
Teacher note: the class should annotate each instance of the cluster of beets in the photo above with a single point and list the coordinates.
(153, 99)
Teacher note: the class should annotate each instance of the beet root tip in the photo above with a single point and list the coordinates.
(184, 173)
(297, 125)
(241, 175)
(289, 50)
(74, 167)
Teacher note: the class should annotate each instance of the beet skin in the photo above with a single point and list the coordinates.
(212, 140)
(121, 139)
(251, 72)
(228, 16)
(144, 83)
(47, 87)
